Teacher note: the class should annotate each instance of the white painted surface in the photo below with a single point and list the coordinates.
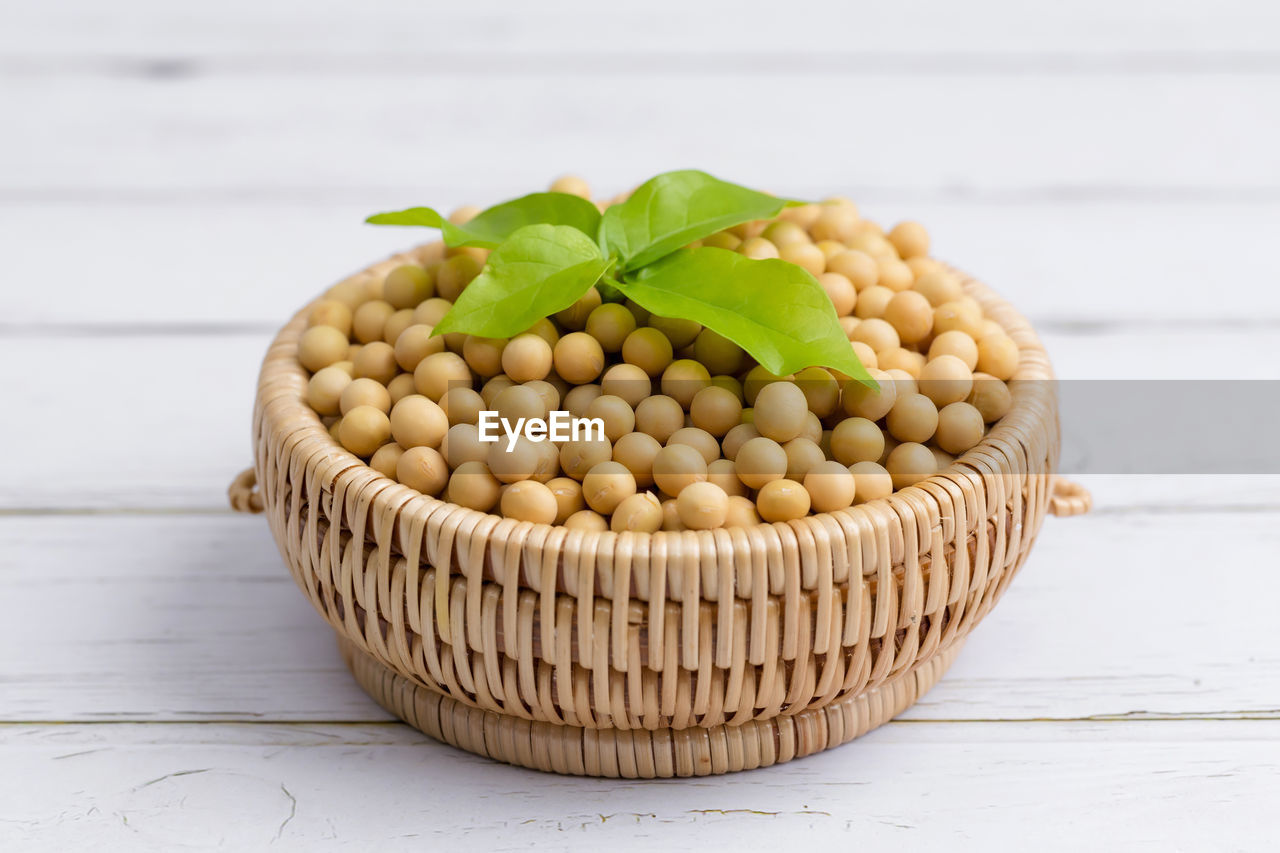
(1002, 786)
(1053, 258)
(175, 179)
(982, 134)
(235, 29)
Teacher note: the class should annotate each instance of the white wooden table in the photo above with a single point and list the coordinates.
(176, 178)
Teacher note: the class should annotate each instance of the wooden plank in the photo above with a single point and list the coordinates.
(162, 421)
(153, 421)
(1101, 624)
(253, 261)
(181, 618)
(149, 28)
(969, 787)
(400, 129)
(163, 618)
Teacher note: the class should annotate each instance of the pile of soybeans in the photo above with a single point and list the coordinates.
(697, 435)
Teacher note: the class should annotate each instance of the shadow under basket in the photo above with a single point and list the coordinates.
(645, 655)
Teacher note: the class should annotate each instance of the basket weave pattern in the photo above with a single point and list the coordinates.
(674, 653)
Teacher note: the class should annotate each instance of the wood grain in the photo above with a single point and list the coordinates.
(933, 29)
(177, 177)
(1189, 785)
(1199, 135)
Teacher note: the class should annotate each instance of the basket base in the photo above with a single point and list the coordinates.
(640, 753)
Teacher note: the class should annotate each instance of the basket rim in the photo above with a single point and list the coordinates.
(281, 410)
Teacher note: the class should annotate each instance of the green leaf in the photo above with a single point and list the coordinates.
(492, 226)
(537, 271)
(773, 309)
(676, 208)
(423, 217)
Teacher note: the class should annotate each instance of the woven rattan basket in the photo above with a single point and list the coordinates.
(651, 655)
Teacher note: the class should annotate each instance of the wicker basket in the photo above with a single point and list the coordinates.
(651, 655)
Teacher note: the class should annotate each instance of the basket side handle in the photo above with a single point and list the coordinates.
(1069, 498)
(243, 492)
